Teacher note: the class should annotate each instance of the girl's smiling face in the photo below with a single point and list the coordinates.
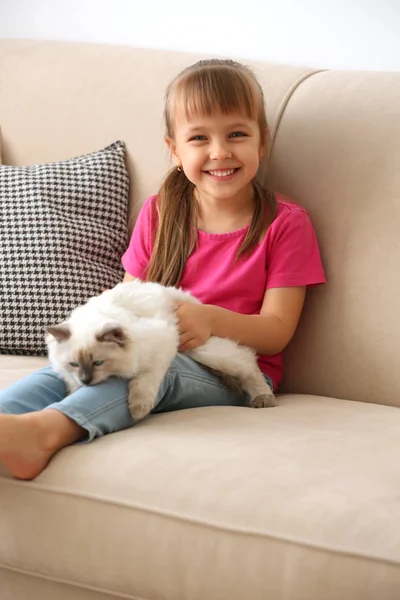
(220, 154)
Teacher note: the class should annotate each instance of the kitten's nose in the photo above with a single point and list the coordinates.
(85, 376)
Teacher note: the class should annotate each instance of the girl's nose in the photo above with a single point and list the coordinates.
(220, 151)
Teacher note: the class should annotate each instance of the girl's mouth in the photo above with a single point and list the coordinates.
(222, 174)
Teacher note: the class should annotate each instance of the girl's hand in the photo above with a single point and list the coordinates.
(193, 324)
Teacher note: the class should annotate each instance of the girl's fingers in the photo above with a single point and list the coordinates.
(186, 342)
(189, 345)
(184, 337)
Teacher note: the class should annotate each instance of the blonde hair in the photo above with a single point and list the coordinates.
(204, 88)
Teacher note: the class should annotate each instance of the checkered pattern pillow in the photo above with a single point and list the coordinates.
(63, 230)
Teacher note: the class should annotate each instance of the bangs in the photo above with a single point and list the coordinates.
(204, 92)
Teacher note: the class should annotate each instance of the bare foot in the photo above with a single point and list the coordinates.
(29, 441)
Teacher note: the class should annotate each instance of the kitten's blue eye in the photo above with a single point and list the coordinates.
(98, 363)
(74, 364)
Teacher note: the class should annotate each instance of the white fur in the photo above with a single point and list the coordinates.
(146, 314)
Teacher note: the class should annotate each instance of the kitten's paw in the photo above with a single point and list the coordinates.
(139, 411)
(263, 401)
(139, 401)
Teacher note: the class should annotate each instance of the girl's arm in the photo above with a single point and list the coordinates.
(270, 331)
(267, 333)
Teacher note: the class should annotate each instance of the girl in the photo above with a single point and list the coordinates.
(212, 230)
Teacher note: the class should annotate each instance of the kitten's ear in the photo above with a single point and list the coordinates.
(112, 333)
(61, 332)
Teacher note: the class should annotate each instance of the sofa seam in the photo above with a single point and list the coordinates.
(78, 585)
(282, 109)
(283, 538)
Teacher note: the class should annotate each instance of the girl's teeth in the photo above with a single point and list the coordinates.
(222, 173)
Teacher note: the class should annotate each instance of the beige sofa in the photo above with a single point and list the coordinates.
(301, 502)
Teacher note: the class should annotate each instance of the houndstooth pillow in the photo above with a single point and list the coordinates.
(63, 232)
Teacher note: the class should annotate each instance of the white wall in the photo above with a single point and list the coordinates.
(347, 34)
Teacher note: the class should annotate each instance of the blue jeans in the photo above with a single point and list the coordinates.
(103, 408)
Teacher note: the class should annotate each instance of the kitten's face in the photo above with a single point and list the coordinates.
(89, 366)
(87, 361)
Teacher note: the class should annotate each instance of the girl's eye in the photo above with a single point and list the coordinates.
(238, 134)
(74, 364)
(197, 138)
(98, 363)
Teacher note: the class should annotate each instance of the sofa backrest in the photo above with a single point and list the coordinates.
(338, 153)
(335, 140)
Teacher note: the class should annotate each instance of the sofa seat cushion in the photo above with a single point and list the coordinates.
(13, 368)
(204, 503)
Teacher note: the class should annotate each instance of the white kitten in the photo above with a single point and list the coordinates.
(131, 331)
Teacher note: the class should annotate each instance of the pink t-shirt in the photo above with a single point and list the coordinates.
(288, 256)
